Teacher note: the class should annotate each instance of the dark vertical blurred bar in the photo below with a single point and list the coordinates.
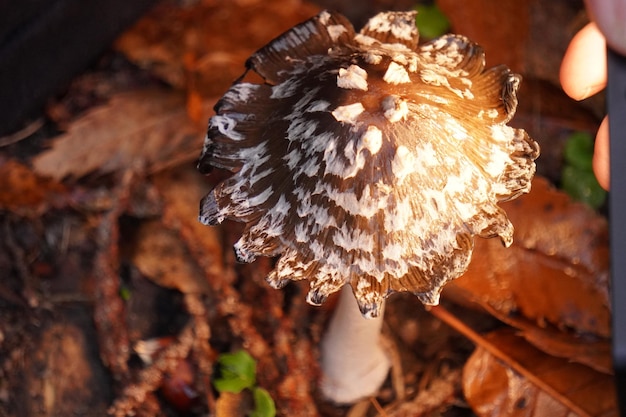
(45, 43)
(616, 93)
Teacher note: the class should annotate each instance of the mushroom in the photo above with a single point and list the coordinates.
(368, 160)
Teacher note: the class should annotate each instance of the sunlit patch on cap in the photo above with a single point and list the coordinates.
(366, 158)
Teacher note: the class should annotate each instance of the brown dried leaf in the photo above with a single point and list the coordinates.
(160, 255)
(530, 36)
(142, 128)
(523, 381)
(503, 42)
(219, 35)
(584, 349)
(181, 191)
(24, 192)
(61, 368)
(556, 271)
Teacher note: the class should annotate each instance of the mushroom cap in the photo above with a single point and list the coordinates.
(366, 158)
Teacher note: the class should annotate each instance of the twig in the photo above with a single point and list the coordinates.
(21, 134)
(108, 305)
(397, 374)
(151, 377)
(17, 253)
(379, 409)
(201, 346)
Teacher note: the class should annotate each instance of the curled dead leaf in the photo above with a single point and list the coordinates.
(138, 129)
(547, 386)
(23, 191)
(218, 35)
(160, 255)
(584, 349)
(181, 190)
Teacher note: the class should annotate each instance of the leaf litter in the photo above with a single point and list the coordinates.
(110, 209)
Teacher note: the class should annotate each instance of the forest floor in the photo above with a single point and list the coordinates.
(115, 300)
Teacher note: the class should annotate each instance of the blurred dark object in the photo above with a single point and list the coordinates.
(45, 43)
(616, 89)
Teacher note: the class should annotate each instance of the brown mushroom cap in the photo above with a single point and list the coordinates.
(367, 159)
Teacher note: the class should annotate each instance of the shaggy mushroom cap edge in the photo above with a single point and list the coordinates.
(367, 158)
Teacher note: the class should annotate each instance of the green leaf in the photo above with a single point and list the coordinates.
(125, 293)
(578, 150)
(582, 185)
(430, 21)
(237, 371)
(263, 403)
(577, 178)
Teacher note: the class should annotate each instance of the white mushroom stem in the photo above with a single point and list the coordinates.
(354, 364)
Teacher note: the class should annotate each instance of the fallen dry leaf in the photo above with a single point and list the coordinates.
(523, 381)
(504, 43)
(181, 190)
(532, 43)
(65, 372)
(219, 35)
(160, 255)
(585, 349)
(139, 129)
(556, 271)
(26, 193)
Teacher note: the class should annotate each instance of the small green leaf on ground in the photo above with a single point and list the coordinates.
(237, 371)
(577, 177)
(263, 404)
(582, 186)
(579, 150)
(125, 293)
